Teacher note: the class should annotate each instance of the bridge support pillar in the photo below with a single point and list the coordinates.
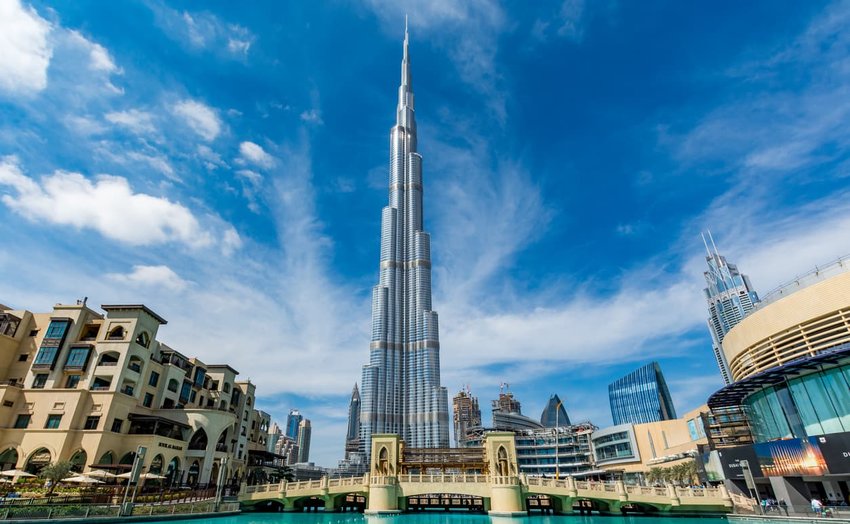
(674, 497)
(383, 496)
(506, 500)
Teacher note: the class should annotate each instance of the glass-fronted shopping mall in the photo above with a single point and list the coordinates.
(790, 362)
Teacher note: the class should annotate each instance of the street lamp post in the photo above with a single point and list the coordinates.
(134, 480)
(222, 471)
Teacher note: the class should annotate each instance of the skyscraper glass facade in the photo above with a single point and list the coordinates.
(641, 396)
(730, 297)
(401, 391)
(554, 414)
(292, 423)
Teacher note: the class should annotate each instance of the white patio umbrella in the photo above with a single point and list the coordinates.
(100, 474)
(82, 479)
(16, 473)
(146, 476)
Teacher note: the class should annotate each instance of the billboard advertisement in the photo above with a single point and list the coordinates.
(835, 449)
(791, 458)
(811, 456)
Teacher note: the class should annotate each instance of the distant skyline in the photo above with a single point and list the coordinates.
(223, 165)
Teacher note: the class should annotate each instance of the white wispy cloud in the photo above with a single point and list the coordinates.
(200, 118)
(779, 132)
(313, 116)
(107, 205)
(26, 50)
(157, 276)
(204, 31)
(135, 120)
(255, 154)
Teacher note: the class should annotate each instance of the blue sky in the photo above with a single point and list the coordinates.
(226, 165)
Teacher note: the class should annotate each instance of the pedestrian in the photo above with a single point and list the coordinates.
(817, 506)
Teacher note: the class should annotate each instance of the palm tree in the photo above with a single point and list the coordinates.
(54, 473)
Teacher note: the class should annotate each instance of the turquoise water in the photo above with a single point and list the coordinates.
(439, 518)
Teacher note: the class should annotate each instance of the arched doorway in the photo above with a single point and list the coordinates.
(127, 461)
(383, 461)
(199, 440)
(156, 465)
(214, 473)
(107, 458)
(172, 472)
(194, 473)
(502, 462)
(9, 459)
(78, 461)
(39, 458)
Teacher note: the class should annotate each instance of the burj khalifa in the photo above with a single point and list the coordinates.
(401, 390)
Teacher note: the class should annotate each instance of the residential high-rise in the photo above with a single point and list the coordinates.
(352, 436)
(467, 414)
(275, 435)
(401, 383)
(303, 443)
(730, 298)
(554, 414)
(641, 396)
(88, 387)
(292, 423)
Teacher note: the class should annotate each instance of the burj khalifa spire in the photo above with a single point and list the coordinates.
(401, 383)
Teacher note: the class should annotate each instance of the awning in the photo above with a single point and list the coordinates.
(734, 394)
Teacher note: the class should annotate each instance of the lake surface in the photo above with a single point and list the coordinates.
(439, 517)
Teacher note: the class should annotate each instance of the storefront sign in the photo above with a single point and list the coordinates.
(170, 446)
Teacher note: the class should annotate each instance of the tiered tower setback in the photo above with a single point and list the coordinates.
(401, 384)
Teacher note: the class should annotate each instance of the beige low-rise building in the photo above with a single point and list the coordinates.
(631, 450)
(91, 388)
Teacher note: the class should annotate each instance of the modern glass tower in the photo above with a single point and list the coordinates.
(401, 383)
(730, 298)
(292, 423)
(352, 436)
(554, 415)
(641, 396)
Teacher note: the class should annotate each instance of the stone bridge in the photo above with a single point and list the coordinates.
(389, 485)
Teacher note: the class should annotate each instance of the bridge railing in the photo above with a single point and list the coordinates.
(546, 482)
(508, 480)
(699, 492)
(657, 491)
(345, 481)
(444, 478)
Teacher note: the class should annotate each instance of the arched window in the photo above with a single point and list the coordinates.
(110, 358)
(383, 461)
(173, 385)
(40, 458)
(156, 465)
(502, 462)
(78, 461)
(135, 364)
(198, 440)
(117, 333)
(143, 339)
(226, 387)
(128, 458)
(107, 458)
(9, 459)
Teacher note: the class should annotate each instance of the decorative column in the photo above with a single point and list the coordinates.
(506, 497)
(383, 471)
